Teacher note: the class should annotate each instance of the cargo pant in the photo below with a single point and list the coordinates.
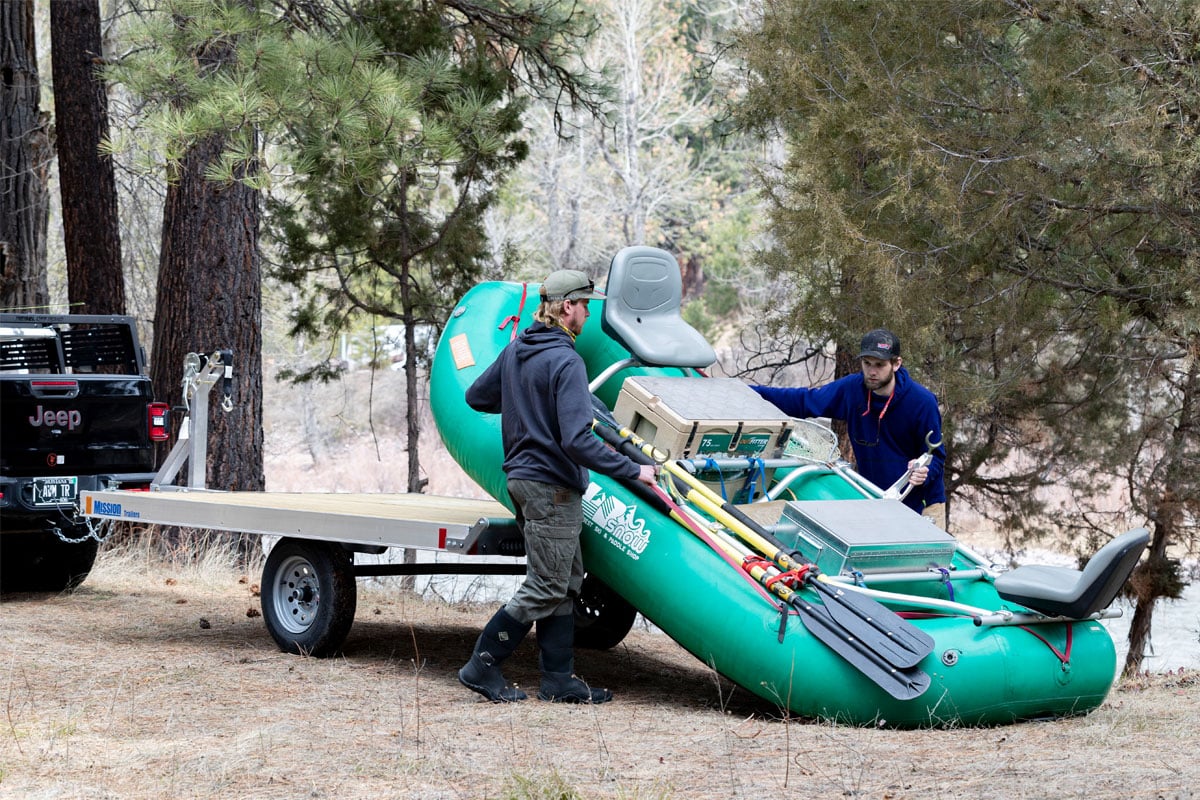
(550, 518)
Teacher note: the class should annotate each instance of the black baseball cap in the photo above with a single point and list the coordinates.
(880, 343)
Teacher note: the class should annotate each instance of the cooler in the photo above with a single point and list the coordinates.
(705, 417)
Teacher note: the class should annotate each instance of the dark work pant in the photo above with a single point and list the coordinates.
(550, 517)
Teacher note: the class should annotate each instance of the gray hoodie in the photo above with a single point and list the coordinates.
(539, 386)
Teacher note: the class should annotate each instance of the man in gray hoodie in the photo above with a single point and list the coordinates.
(539, 386)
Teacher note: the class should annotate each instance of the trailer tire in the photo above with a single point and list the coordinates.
(309, 596)
(602, 617)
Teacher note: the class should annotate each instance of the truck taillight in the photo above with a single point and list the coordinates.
(159, 421)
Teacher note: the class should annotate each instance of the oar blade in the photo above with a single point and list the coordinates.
(897, 640)
(902, 684)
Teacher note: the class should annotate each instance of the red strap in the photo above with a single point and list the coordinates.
(751, 560)
(516, 318)
(793, 578)
(1064, 655)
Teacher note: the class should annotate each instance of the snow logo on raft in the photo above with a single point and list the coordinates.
(618, 522)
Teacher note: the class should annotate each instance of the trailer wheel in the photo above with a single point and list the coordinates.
(309, 596)
(602, 617)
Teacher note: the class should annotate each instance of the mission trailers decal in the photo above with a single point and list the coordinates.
(101, 508)
(617, 521)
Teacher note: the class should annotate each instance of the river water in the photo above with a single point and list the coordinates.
(1174, 633)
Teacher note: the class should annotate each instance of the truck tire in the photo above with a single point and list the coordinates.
(309, 596)
(38, 561)
(602, 617)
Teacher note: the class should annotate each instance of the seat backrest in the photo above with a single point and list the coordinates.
(1061, 591)
(645, 290)
(1107, 570)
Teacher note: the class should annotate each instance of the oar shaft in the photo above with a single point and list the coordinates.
(731, 519)
(712, 504)
(738, 550)
(880, 644)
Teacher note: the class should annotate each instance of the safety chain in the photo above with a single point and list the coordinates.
(98, 531)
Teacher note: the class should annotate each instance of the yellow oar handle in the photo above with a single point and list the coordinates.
(713, 505)
(653, 452)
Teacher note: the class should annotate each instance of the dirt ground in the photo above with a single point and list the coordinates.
(159, 682)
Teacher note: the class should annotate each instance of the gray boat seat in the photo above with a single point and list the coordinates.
(1066, 592)
(645, 291)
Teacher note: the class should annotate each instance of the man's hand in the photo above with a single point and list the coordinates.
(648, 474)
(919, 473)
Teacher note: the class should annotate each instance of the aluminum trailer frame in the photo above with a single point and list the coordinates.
(308, 586)
(309, 594)
(429, 522)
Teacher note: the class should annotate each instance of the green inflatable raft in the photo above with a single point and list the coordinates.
(765, 556)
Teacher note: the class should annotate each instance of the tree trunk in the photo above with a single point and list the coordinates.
(95, 282)
(210, 298)
(1157, 576)
(313, 437)
(24, 165)
(412, 409)
(412, 412)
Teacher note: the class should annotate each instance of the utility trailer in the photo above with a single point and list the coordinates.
(309, 591)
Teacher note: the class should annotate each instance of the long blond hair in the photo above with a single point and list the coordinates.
(550, 313)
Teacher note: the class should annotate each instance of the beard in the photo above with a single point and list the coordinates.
(874, 384)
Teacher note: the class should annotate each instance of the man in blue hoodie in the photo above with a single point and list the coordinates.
(539, 386)
(889, 418)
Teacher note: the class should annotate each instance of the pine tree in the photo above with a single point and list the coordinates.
(381, 128)
(1012, 187)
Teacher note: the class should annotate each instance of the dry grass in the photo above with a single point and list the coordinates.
(160, 681)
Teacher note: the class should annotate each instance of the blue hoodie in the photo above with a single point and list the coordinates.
(539, 386)
(882, 448)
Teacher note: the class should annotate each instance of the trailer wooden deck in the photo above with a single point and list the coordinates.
(423, 521)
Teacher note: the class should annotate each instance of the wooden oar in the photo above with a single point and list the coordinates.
(662, 502)
(902, 683)
(880, 628)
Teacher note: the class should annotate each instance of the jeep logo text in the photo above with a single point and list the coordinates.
(62, 418)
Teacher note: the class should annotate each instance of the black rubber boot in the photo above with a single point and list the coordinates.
(482, 673)
(556, 641)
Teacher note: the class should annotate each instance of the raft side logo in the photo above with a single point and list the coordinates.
(617, 521)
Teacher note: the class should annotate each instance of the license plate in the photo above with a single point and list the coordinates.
(55, 491)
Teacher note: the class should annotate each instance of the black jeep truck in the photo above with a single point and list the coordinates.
(76, 413)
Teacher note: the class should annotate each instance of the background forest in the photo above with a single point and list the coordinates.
(1012, 187)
